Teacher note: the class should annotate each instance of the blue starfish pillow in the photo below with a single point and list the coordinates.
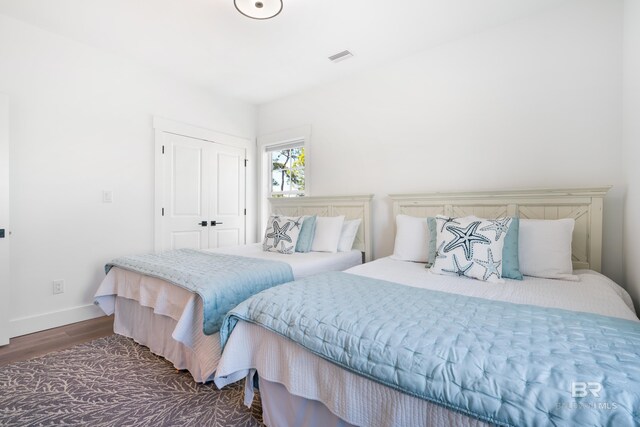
(282, 234)
(470, 247)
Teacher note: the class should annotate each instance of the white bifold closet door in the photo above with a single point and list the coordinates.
(4, 220)
(203, 192)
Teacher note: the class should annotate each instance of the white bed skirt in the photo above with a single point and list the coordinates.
(163, 317)
(155, 332)
(281, 408)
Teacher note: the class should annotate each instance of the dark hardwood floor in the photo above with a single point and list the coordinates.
(40, 343)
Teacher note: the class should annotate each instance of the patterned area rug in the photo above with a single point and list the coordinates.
(113, 381)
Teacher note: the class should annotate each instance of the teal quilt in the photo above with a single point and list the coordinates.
(503, 363)
(222, 281)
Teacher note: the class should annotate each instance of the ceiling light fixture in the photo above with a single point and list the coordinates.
(259, 9)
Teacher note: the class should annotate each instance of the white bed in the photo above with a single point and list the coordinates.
(300, 388)
(169, 319)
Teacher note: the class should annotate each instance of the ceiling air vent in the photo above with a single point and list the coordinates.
(345, 54)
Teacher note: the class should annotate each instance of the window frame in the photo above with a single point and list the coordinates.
(263, 142)
(268, 175)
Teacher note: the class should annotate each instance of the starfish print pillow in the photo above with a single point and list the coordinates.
(282, 234)
(470, 247)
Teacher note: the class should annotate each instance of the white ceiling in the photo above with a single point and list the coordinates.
(210, 43)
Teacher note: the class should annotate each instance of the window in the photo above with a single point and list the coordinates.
(286, 169)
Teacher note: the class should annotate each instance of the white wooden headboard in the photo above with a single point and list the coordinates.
(352, 207)
(582, 204)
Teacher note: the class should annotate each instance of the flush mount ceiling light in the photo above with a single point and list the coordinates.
(259, 9)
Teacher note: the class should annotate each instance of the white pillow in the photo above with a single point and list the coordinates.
(412, 239)
(282, 234)
(544, 248)
(348, 235)
(327, 235)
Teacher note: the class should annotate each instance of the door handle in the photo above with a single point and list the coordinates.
(214, 223)
(203, 223)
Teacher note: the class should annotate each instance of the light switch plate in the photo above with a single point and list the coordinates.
(107, 196)
(58, 287)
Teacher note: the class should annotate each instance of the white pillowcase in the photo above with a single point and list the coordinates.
(327, 235)
(545, 248)
(412, 239)
(348, 235)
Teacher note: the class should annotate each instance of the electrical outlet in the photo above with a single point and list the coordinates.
(58, 287)
(107, 196)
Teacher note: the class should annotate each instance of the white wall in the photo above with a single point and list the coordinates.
(632, 145)
(81, 122)
(534, 103)
(4, 219)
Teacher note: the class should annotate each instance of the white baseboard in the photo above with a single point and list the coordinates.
(41, 322)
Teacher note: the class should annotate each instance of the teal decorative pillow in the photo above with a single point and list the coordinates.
(510, 258)
(305, 238)
(470, 247)
(282, 234)
(432, 226)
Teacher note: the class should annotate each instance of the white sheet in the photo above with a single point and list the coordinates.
(360, 401)
(302, 264)
(594, 293)
(178, 335)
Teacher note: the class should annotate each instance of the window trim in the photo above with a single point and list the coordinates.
(300, 133)
(282, 138)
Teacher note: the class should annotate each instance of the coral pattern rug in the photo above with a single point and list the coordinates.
(113, 381)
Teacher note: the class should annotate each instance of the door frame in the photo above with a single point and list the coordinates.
(164, 126)
(5, 291)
